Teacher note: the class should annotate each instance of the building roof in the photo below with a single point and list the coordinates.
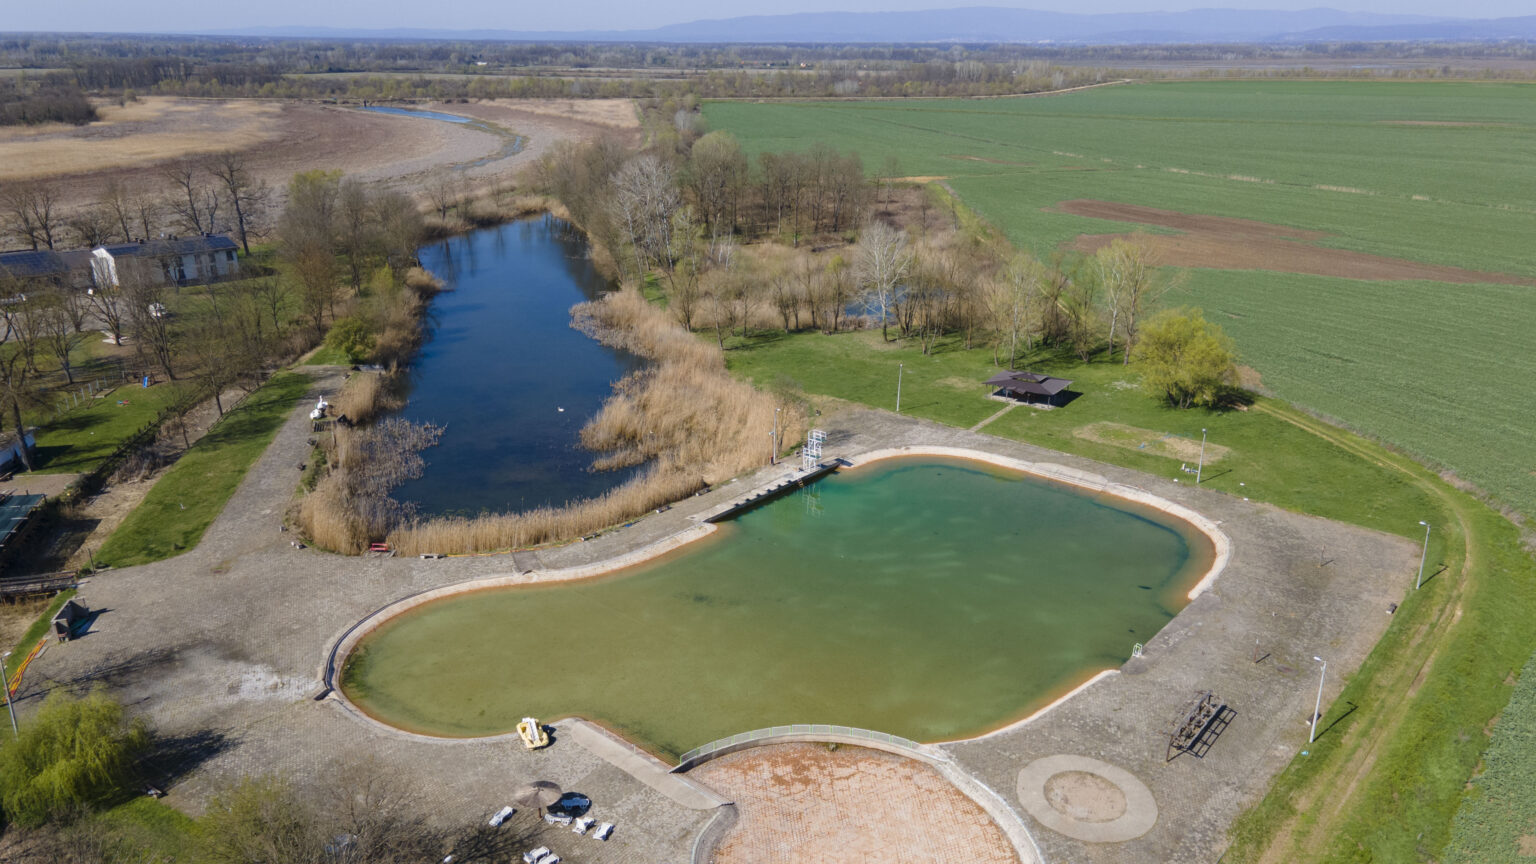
(1032, 383)
(32, 263)
(166, 246)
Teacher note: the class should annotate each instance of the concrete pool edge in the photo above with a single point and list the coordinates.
(346, 641)
(1221, 544)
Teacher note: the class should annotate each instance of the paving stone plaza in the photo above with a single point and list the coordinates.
(224, 650)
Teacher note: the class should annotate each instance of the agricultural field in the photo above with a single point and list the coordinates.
(1370, 253)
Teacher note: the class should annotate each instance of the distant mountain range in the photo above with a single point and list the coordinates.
(999, 24)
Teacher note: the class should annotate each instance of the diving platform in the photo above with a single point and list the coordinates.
(785, 483)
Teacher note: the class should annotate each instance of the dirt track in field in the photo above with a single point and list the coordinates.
(1220, 243)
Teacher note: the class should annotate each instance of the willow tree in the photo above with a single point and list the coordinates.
(75, 755)
(1185, 359)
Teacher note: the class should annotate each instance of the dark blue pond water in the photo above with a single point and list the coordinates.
(413, 112)
(500, 362)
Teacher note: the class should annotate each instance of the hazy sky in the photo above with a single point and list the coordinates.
(187, 15)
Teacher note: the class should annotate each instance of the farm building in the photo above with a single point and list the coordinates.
(38, 268)
(10, 451)
(1029, 387)
(173, 260)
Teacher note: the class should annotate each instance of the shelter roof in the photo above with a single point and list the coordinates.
(1032, 383)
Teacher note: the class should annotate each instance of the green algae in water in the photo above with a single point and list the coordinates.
(928, 599)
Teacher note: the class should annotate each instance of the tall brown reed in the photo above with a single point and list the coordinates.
(685, 414)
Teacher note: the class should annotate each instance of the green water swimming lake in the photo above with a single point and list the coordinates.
(932, 599)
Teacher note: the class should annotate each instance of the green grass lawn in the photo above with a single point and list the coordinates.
(145, 829)
(327, 355)
(1438, 174)
(186, 500)
(1269, 459)
(76, 442)
(1420, 737)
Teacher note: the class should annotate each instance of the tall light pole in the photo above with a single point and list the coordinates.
(1422, 555)
(1201, 467)
(900, 369)
(775, 459)
(1317, 710)
(5, 684)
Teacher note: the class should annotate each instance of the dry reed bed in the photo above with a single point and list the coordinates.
(685, 412)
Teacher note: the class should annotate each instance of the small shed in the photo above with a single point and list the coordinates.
(68, 617)
(1030, 387)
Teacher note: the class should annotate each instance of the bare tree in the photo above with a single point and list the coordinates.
(1132, 286)
(116, 200)
(686, 268)
(645, 201)
(194, 201)
(1012, 301)
(717, 174)
(443, 191)
(30, 206)
(399, 228)
(883, 262)
(354, 227)
(18, 349)
(144, 295)
(246, 195)
(57, 332)
(1079, 304)
(91, 226)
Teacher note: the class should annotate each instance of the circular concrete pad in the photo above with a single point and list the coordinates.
(1087, 799)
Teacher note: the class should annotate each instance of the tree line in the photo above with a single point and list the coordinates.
(806, 240)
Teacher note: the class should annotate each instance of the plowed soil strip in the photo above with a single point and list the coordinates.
(1221, 243)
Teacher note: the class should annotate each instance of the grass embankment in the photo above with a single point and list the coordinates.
(186, 500)
(1388, 785)
(1428, 171)
(1385, 781)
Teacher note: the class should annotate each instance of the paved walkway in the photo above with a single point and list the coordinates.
(222, 650)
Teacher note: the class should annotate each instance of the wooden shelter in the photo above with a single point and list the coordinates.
(1030, 387)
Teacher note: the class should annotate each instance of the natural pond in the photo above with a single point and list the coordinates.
(932, 599)
(504, 371)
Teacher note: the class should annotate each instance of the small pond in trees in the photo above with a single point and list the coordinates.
(507, 375)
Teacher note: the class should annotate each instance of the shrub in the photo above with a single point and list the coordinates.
(353, 337)
(75, 755)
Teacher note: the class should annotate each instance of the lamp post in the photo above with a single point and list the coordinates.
(1317, 710)
(775, 459)
(1200, 467)
(1422, 555)
(5, 684)
(900, 369)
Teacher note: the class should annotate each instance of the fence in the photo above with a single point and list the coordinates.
(807, 730)
(110, 374)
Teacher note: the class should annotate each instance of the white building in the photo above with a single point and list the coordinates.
(176, 260)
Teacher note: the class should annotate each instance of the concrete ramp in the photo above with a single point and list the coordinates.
(641, 765)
